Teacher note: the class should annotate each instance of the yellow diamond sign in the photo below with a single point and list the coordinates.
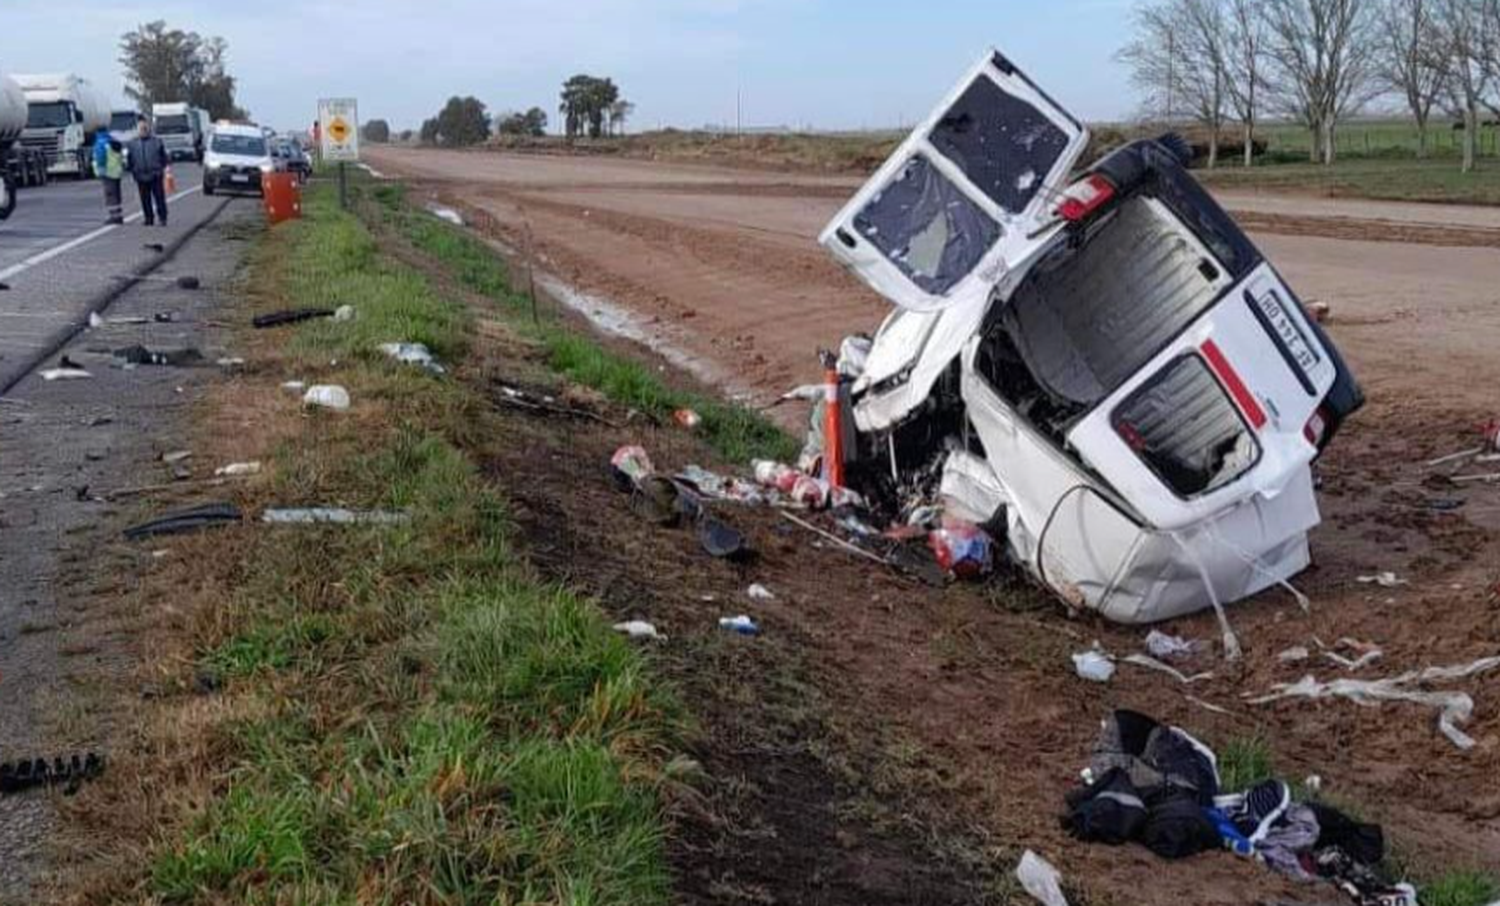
(339, 118)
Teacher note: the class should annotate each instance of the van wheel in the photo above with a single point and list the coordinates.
(208, 189)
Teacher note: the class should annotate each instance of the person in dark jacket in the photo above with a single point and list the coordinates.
(147, 162)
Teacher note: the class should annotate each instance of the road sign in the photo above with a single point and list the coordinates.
(339, 118)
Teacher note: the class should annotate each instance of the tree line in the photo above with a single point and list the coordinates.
(590, 106)
(1235, 63)
(166, 65)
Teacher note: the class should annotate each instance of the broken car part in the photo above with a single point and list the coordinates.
(28, 773)
(1147, 391)
(211, 515)
(289, 316)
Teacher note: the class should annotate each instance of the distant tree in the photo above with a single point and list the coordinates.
(1463, 44)
(461, 122)
(586, 102)
(1324, 62)
(1407, 66)
(168, 65)
(1248, 83)
(429, 134)
(619, 112)
(406, 136)
(531, 123)
(1179, 58)
(377, 131)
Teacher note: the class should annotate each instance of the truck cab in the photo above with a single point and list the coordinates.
(178, 127)
(64, 113)
(1142, 384)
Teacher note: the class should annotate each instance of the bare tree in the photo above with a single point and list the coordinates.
(1179, 60)
(1406, 62)
(1246, 40)
(1324, 60)
(1462, 44)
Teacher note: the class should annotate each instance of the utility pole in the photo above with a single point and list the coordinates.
(1171, 73)
(739, 126)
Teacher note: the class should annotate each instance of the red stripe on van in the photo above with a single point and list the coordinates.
(1237, 389)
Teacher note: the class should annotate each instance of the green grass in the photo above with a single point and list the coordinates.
(419, 720)
(1462, 888)
(736, 433)
(1244, 762)
(1394, 180)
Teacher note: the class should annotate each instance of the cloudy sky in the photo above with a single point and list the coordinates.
(827, 64)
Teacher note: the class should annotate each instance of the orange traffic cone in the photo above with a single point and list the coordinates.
(170, 179)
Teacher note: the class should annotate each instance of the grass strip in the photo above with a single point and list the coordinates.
(415, 719)
(734, 432)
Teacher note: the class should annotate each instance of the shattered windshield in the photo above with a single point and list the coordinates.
(927, 227)
(1003, 144)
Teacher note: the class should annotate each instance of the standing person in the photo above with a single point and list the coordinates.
(148, 164)
(109, 163)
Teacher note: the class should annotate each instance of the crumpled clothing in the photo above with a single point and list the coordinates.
(1156, 756)
(1364, 884)
(1295, 834)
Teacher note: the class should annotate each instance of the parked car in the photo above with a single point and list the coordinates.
(291, 157)
(238, 157)
(1103, 366)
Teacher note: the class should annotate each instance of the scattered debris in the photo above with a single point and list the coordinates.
(1384, 580)
(294, 386)
(345, 313)
(1094, 665)
(759, 592)
(290, 316)
(447, 214)
(333, 516)
(639, 629)
(741, 625)
(238, 469)
(206, 516)
(66, 370)
(520, 399)
(718, 539)
(1486, 477)
(1321, 311)
(962, 549)
(28, 773)
(414, 354)
(1454, 708)
(1454, 457)
(1040, 879)
(1162, 645)
(835, 540)
(175, 358)
(687, 418)
(631, 464)
(1293, 655)
(327, 396)
(1151, 663)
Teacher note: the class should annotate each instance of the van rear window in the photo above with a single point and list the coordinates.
(1183, 425)
(927, 227)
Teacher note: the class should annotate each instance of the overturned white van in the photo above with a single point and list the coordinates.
(1145, 391)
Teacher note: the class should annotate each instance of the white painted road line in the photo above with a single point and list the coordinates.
(49, 254)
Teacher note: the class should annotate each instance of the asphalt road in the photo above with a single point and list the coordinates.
(65, 210)
(58, 260)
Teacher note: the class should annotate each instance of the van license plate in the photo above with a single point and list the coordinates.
(1280, 321)
(239, 177)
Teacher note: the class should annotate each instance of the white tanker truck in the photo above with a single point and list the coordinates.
(20, 166)
(64, 111)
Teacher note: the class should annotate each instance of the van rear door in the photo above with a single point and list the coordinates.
(969, 195)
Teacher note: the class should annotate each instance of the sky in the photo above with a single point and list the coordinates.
(851, 64)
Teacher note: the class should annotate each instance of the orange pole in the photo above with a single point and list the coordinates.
(833, 433)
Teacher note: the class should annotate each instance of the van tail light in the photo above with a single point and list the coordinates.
(1316, 429)
(1085, 197)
